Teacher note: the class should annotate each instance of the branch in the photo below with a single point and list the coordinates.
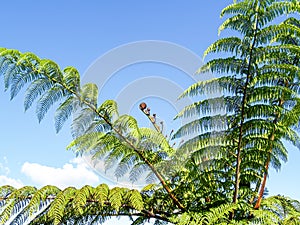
(135, 148)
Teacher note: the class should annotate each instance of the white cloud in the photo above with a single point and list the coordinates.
(4, 180)
(76, 174)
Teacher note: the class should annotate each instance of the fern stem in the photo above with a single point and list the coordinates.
(245, 93)
(272, 138)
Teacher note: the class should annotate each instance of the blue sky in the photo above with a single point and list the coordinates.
(77, 33)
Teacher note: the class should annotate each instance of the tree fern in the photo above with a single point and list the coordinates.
(254, 95)
(218, 174)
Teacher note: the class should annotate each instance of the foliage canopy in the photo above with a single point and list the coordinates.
(218, 175)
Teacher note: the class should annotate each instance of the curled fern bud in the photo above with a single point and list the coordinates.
(143, 106)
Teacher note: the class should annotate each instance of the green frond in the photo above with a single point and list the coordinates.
(89, 93)
(29, 59)
(101, 193)
(269, 94)
(204, 140)
(10, 74)
(36, 89)
(283, 8)
(2, 49)
(258, 126)
(109, 110)
(281, 208)
(272, 75)
(4, 65)
(125, 164)
(51, 70)
(292, 21)
(204, 124)
(135, 199)
(239, 23)
(275, 51)
(64, 111)
(20, 80)
(203, 155)
(263, 111)
(118, 151)
(71, 78)
(88, 142)
(238, 8)
(139, 169)
(230, 44)
(211, 106)
(214, 86)
(291, 136)
(81, 197)
(83, 121)
(21, 72)
(11, 54)
(109, 146)
(291, 117)
(277, 33)
(6, 190)
(223, 66)
(41, 196)
(218, 214)
(115, 197)
(154, 140)
(126, 123)
(15, 203)
(48, 99)
(59, 204)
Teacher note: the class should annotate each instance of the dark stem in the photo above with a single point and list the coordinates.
(244, 99)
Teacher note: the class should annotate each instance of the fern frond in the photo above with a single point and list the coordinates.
(135, 199)
(15, 203)
(51, 70)
(83, 119)
(218, 214)
(126, 164)
(128, 126)
(153, 140)
(204, 140)
(89, 93)
(101, 193)
(204, 124)
(36, 89)
(118, 151)
(115, 197)
(52, 96)
(230, 44)
(217, 85)
(109, 109)
(211, 106)
(41, 196)
(64, 111)
(80, 200)
(223, 65)
(237, 8)
(58, 206)
(88, 142)
(138, 169)
(239, 23)
(71, 78)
